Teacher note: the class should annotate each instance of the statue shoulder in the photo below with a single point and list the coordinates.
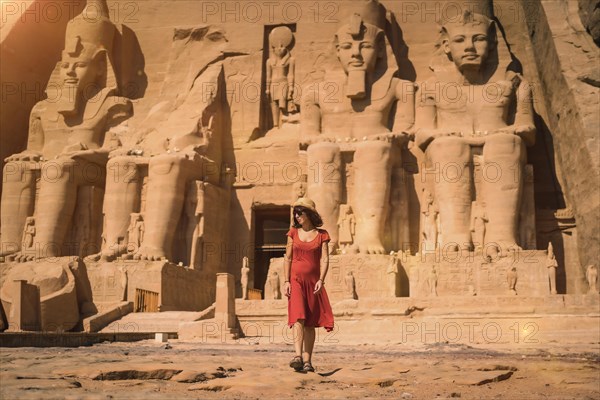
(427, 91)
(118, 104)
(43, 110)
(404, 88)
(39, 108)
(109, 106)
(117, 109)
(428, 83)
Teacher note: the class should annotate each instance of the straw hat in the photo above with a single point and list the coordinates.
(306, 203)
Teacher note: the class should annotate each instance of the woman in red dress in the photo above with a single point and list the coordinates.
(305, 269)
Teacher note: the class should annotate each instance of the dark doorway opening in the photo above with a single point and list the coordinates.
(272, 224)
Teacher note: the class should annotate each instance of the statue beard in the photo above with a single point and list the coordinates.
(356, 85)
(70, 100)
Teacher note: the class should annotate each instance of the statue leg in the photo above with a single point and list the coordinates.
(58, 197)
(371, 199)
(325, 184)
(451, 158)
(504, 158)
(18, 197)
(275, 113)
(123, 188)
(167, 178)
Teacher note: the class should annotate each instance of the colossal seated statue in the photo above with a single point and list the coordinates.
(175, 152)
(66, 148)
(354, 116)
(475, 106)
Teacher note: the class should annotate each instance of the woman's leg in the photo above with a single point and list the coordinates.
(298, 336)
(309, 343)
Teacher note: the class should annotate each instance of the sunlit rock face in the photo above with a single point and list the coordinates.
(450, 150)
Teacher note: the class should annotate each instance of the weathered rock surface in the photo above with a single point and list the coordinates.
(145, 370)
(589, 10)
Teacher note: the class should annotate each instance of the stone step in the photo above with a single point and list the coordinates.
(435, 306)
(167, 322)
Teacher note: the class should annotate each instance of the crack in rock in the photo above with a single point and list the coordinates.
(161, 374)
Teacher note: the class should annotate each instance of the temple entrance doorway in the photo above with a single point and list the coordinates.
(271, 225)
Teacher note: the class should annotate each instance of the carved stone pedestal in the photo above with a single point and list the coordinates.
(473, 274)
(369, 272)
(151, 285)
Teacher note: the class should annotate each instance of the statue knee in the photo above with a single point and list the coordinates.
(372, 151)
(14, 171)
(58, 170)
(324, 152)
(164, 164)
(449, 149)
(504, 146)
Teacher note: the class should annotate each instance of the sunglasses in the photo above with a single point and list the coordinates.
(299, 211)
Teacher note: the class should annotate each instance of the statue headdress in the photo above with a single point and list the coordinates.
(370, 21)
(281, 35)
(90, 33)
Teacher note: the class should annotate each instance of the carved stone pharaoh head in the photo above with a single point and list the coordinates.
(468, 41)
(85, 66)
(359, 45)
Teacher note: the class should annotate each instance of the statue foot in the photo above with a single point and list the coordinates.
(371, 248)
(500, 248)
(146, 253)
(93, 257)
(21, 257)
(108, 255)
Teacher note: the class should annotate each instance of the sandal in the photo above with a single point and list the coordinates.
(296, 363)
(308, 367)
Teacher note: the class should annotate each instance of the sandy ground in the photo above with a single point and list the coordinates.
(253, 370)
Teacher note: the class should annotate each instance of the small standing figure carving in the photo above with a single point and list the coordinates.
(136, 231)
(347, 225)
(478, 221)
(392, 273)
(194, 209)
(591, 274)
(244, 278)
(432, 280)
(430, 223)
(280, 73)
(28, 233)
(511, 279)
(350, 286)
(274, 282)
(551, 265)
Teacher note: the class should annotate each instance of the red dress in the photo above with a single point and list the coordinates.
(315, 310)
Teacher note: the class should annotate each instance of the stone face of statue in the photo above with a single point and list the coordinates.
(78, 71)
(358, 53)
(80, 77)
(468, 45)
(279, 50)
